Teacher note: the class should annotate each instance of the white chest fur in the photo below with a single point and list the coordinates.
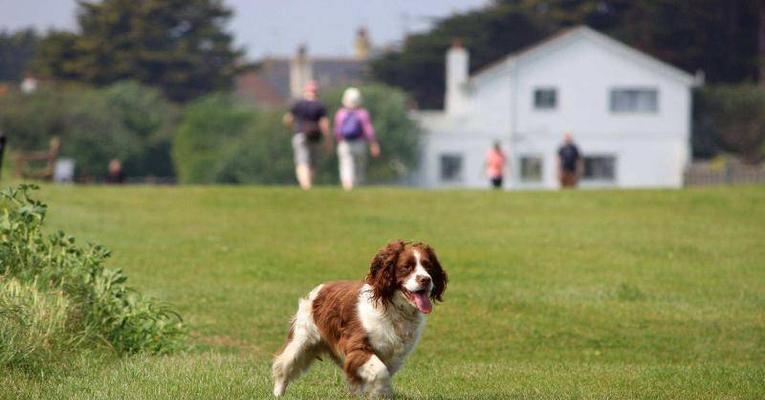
(393, 331)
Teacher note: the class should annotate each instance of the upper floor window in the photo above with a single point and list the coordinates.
(545, 98)
(634, 100)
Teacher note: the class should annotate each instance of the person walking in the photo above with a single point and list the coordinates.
(308, 121)
(354, 132)
(570, 164)
(495, 165)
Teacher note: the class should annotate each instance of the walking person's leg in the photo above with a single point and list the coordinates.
(346, 164)
(359, 154)
(303, 162)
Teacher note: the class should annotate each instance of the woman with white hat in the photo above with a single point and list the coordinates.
(354, 132)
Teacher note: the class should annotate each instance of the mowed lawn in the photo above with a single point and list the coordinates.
(552, 295)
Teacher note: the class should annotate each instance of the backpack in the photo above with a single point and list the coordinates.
(351, 127)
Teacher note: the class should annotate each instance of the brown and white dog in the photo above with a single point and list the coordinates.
(367, 327)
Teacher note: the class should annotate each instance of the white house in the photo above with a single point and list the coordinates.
(629, 114)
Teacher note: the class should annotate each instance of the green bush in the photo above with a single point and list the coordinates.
(99, 307)
(262, 155)
(209, 126)
(221, 141)
(124, 121)
(33, 325)
(730, 118)
(399, 135)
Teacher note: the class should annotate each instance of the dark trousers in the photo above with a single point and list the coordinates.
(568, 179)
(496, 182)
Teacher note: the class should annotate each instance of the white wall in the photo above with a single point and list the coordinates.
(448, 134)
(651, 149)
(584, 74)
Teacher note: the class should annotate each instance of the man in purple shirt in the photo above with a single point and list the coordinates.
(354, 131)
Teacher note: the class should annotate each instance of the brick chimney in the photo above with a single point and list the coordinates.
(362, 45)
(301, 72)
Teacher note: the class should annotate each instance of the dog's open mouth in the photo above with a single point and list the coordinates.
(420, 299)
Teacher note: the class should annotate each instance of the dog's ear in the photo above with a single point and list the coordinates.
(437, 273)
(382, 271)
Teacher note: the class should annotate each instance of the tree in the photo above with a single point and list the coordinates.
(209, 127)
(730, 118)
(718, 37)
(16, 51)
(124, 121)
(178, 45)
(489, 35)
(398, 134)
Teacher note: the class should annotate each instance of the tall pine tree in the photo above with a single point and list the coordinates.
(16, 49)
(180, 46)
(719, 37)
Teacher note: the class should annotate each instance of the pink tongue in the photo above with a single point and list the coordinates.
(422, 302)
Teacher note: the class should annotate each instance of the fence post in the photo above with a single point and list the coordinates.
(728, 172)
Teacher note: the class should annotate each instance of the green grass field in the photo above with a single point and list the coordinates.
(581, 295)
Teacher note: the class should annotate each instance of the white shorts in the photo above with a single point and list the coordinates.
(352, 157)
(306, 151)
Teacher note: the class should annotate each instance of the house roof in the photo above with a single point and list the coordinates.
(254, 89)
(328, 71)
(583, 32)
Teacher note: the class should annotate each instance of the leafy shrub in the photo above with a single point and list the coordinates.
(33, 325)
(209, 127)
(124, 121)
(730, 118)
(399, 135)
(262, 155)
(99, 307)
(221, 141)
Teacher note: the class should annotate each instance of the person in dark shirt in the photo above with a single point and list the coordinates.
(570, 164)
(308, 121)
(116, 176)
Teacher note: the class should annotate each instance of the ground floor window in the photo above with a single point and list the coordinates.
(451, 167)
(531, 168)
(600, 168)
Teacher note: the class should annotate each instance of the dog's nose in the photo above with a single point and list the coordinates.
(423, 280)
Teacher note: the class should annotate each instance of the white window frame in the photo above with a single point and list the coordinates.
(633, 104)
(601, 180)
(526, 180)
(459, 176)
(539, 90)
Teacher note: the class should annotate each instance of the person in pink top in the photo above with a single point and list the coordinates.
(495, 165)
(354, 132)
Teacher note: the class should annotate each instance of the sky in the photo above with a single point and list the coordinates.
(277, 27)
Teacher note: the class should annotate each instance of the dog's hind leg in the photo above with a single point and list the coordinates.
(302, 347)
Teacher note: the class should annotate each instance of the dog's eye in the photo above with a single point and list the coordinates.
(426, 264)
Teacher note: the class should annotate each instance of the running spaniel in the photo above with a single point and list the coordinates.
(367, 327)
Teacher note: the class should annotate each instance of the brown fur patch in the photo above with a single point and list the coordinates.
(334, 312)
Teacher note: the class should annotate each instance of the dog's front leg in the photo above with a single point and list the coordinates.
(376, 378)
